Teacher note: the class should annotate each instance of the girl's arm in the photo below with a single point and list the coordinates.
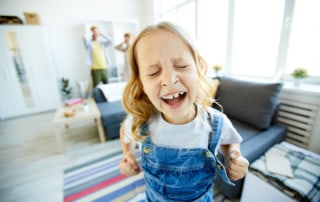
(128, 165)
(125, 147)
(236, 164)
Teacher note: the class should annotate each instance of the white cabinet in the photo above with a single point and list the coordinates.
(27, 79)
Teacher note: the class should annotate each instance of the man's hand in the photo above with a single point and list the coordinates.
(236, 165)
(128, 165)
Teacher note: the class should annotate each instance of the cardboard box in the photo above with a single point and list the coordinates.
(32, 18)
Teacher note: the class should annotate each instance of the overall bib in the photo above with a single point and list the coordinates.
(173, 174)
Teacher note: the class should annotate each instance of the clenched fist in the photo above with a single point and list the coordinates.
(236, 165)
(128, 165)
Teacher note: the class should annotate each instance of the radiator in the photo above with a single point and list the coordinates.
(299, 115)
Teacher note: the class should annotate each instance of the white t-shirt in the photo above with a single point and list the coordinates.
(194, 134)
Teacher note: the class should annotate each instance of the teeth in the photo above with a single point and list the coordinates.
(168, 97)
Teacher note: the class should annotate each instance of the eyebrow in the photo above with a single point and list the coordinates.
(154, 65)
(173, 60)
(178, 59)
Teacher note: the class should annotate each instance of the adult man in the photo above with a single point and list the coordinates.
(97, 55)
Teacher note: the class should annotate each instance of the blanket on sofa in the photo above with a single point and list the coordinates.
(305, 185)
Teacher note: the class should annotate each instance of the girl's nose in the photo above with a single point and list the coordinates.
(169, 77)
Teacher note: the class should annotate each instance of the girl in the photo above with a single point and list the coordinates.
(170, 117)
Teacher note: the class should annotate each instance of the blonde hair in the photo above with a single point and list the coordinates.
(128, 34)
(136, 102)
(93, 27)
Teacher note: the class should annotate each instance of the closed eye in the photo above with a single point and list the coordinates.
(181, 66)
(153, 70)
(153, 73)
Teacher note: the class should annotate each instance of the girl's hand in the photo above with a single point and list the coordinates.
(236, 165)
(128, 165)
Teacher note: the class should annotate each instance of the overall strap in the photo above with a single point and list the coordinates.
(214, 137)
(216, 125)
(145, 127)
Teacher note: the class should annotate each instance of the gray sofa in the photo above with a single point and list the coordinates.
(112, 114)
(252, 108)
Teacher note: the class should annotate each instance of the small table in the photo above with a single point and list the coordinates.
(82, 113)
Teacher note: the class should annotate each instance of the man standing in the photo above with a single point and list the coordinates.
(97, 55)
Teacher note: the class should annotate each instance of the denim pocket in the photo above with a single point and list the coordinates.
(173, 186)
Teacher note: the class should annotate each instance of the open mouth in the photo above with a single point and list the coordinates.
(174, 98)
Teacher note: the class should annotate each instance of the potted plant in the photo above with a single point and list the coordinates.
(217, 69)
(299, 74)
(65, 88)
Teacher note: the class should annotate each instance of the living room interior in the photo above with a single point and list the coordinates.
(250, 45)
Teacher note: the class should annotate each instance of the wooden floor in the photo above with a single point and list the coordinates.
(31, 165)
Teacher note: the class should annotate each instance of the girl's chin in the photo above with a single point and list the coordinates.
(179, 115)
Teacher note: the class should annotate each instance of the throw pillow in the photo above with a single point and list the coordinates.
(113, 91)
(253, 103)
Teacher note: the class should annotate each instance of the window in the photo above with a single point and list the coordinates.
(254, 38)
(304, 47)
(212, 30)
(180, 12)
(204, 20)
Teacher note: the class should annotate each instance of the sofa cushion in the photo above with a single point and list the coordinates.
(255, 142)
(263, 141)
(111, 112)
(112, 91)
(253, 103)
(246, 131)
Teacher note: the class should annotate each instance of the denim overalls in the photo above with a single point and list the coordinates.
(182, 174)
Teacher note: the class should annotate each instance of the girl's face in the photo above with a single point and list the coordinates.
(169, 75)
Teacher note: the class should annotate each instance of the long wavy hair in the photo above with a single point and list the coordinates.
(136, 102)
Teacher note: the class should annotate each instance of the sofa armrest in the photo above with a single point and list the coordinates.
(275, 114)
(98, 96)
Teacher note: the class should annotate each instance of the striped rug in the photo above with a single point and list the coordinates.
(100, 180)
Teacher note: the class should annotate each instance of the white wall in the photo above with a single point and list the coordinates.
(63, 21)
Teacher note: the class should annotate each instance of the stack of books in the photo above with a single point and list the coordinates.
(73, 101)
